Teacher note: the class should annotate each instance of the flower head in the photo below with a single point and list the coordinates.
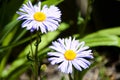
(68, 53)
(35, 18)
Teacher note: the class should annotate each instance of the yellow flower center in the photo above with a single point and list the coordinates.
(39, 16)
(70, 55)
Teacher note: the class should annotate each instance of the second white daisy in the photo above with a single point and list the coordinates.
(70, 52)
(35, 18)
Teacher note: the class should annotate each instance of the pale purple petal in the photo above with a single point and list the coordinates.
(79, 62)
(51, 22)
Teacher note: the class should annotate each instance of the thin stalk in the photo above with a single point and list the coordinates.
(76, 75)
(70, 77)
(16, 44)
(36, 65)
(31, 44)
(86, 18)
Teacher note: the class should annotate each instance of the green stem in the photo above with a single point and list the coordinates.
(86, 18)
(16, 44)
(76, 76)
(36, 65)
(31, 45)
(70, 77)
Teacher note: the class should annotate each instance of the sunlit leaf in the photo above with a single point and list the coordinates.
(7, 29)
(51, 2)
(109, 31)
(22, 60)
(102, 40)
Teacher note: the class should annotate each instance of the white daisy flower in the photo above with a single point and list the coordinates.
(70, 52)
(35, 18)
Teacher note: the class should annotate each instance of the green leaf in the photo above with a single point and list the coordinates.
(9, 37)
(105, 37)
(22, 60)
(51, 2)
(17, 63)
(46, 39)
(8, 10)
(102, 40)
(20, 70)
(7, 29)
(109, 31)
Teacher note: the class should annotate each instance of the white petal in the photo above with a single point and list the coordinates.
(57, 46)
(57, 54)
(76, 65)
(26, 23)
(55, 60)
(68, 43)
(61, 41)
(30, 4)
(82, 49)
(85, 54)
(85, 61)
(42, 27)
(63, 66)
(45, 9)
(37, 7)
(50, 26)
(82, 64)
(20, 13)
(56, 12)
(69, 67)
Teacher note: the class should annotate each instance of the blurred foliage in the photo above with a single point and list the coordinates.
(15, 41)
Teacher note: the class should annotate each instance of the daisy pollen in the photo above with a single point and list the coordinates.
(36, 18)
(69, 53)
(39, 16)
